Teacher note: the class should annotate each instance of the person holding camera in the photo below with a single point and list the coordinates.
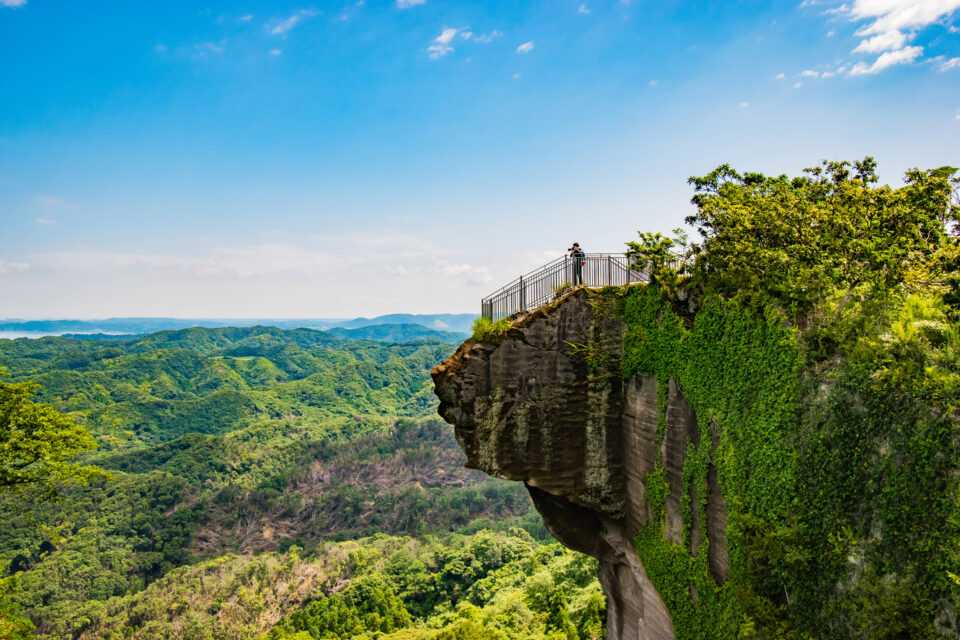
(577, 259)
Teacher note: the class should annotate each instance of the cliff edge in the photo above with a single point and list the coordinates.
(547, 406)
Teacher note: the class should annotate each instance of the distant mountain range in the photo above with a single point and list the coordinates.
(455, 323)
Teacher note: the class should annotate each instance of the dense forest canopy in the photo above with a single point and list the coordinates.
(232, 460)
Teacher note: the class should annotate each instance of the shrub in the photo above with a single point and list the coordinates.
(486, 331)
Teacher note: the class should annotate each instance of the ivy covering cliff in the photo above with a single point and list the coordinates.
(814, 330)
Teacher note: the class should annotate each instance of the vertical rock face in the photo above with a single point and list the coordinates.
(547, 406)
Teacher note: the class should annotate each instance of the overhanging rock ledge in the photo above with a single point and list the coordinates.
(547, 406)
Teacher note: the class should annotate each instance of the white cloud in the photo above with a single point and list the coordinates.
(406, 4)
(583, 9)
(276, 52)
(888, 59)
(744, 104)
(653, 83)
(952, 63)
(13, 3)
(797, 85)
(446, 36)
(12, 267)
(886, 28)
(896, 15)
(780, 76)
(246, 18)
(441, 44)
(882, 42)
(45, 221)
(958, 114)
(810, 73)
(284, 26)
(891, 25)
(526, 47)
(517, 76)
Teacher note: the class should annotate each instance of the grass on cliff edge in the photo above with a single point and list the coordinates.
(486, 331)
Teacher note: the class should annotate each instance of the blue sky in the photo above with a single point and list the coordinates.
(287, 159)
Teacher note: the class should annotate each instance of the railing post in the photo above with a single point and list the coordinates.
(523, 296)
(610, 270)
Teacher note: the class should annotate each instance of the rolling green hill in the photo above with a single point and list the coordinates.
(241, 441)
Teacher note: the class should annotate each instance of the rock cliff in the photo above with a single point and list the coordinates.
(547, 406)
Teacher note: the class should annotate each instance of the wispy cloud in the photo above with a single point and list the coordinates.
(283, 26)
(52, 202)
(482, 38)
(406, 4)
(441, 44)
(358, 257)
(205, 49)
(12, 267)
(744, 104)
(45, 221)
(526, 47)
(583, 9)
(276, 52)
(246, 18)
(952, 63)
(888, 59)
(12, 3)
(809, 73)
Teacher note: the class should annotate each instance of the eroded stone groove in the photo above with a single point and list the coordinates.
(547, 406)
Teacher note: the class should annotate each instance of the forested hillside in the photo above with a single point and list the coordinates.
(245, 441)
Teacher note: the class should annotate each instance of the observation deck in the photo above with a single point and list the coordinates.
(542, 286)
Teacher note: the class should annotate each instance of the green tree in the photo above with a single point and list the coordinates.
(558, 617)
(591, 619)
(791, 240)
(13, 624)
(38, 444)
(658, 255)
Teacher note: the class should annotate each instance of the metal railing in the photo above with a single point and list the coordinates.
(544, 285)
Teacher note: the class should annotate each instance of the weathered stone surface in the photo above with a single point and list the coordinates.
(716, 519)
(547, 406)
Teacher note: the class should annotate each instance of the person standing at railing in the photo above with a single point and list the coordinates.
(577, 259)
